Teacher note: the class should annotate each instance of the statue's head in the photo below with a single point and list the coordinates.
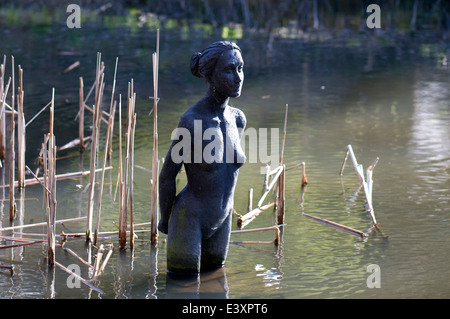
(221, 65)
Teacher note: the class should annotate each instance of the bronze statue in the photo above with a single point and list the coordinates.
(207, 143)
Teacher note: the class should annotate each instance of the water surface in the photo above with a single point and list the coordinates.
(387, 97)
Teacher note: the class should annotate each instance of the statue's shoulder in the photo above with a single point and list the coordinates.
(241, 120)
(188, 118)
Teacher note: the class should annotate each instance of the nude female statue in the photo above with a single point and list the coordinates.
(198, 219)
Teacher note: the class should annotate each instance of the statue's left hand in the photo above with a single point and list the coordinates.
(163, 226)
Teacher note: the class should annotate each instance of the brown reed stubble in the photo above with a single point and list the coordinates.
(155, 162)
(112, 110)
(12, 202)
(99, 86)
(2, 110)
(50, 185)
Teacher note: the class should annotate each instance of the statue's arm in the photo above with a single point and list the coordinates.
(241, 121)
(167, 190)
(167, 182)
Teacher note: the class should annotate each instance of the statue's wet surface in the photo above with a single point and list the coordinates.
(207, 143)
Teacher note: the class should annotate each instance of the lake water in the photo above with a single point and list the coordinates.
(387, 96)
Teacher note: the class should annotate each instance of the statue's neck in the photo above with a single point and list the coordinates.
(214, 101)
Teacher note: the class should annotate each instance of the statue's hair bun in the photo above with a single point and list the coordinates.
(195, 58)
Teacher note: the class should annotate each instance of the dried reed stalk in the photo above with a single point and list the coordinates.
(284, 136)
(38, 113)
(367, 185)
(3, 121)
(279, 170)
(110, 149)
(9, 267)
(84, 281)
(112, 109)
(242, 231)
(81, 116)
(122, 214)
(155, 163)
(21, 146)
(250, 200)
(2, 110)
(21, 244)
(108, 255)
(131, 176)
(72, 144)
(358, 167)
(252, 242)
(98, 261)
(12, 202)
(106, 233)
(278, 237)
(78, 257)
(104, 120)
(126, 175)
(303, 165)
(280, 198)
(39, 180)
(276, 241)
(20, 239)
(126, 170)
(244, 220)
(339, 226)
(72, 66)
(45, 190)
(369, 181)
(94, 144)
(87, 97)
(100, 267)
(50, 185)
(41, 224)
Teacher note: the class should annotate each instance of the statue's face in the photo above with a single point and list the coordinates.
(228, 75)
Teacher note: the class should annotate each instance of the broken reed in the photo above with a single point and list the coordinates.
(81, 116)
(20, 132)
(3, 94)
(99, 86)
(278, 179)
(126, 171)
(12, 203)
(367, 185)
(50, 185)
(112, 110)
(155, 162)
(49, 149)
(20, 129)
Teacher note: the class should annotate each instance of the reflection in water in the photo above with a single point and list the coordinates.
(271, 277)
(430, 141)
(124, 279)
(152, 286)
(211, 284)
